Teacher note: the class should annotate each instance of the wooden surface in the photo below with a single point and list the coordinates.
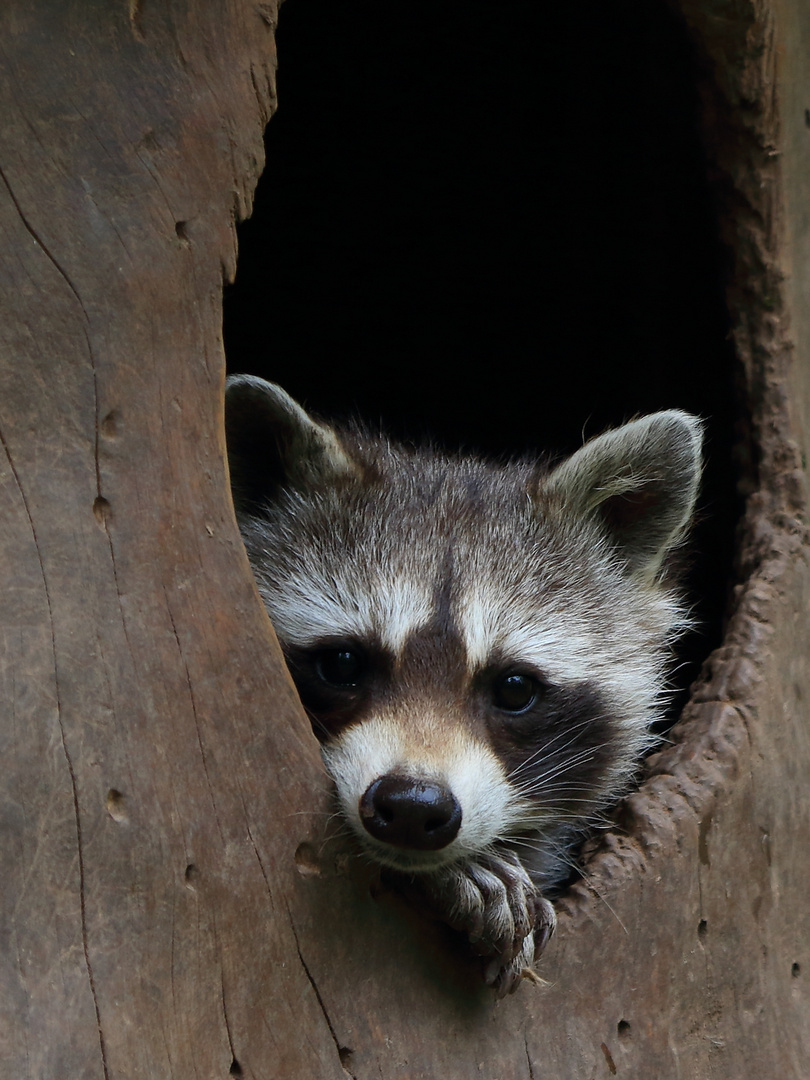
(148, 828)
(169, 907)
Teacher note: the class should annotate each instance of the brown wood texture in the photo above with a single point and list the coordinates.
(169, 907)
(154, 760)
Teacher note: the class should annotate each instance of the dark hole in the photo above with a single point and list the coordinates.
(702, 928)
(493, 225)
(623, 1029)
(235, 1069)
(795, 970)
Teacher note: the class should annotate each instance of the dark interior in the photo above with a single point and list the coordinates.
(491, 225)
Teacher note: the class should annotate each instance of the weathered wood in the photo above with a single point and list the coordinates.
(148, 831)
(169, 907)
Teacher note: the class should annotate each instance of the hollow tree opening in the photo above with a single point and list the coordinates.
(185, 931)
(494, 227)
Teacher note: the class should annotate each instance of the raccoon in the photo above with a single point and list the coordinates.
(482, 648)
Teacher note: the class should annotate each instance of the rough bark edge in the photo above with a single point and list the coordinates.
(736, 54)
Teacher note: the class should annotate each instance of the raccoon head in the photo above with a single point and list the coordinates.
(481, 648)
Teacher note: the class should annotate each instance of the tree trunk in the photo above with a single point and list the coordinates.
(171, 904)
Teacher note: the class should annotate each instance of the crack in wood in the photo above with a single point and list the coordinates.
(256, 850)
(343, 1051)
(227, 1022)
(43, 248)
(194, 714)
(85, 321)
(68, 759)
(528, 1058)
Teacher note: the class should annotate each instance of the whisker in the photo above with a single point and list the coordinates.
(565, 766)
(547, 746)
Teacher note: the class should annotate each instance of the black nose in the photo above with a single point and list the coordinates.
(409, 813)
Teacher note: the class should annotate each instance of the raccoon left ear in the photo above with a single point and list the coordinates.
(640, 482)
(273, 442)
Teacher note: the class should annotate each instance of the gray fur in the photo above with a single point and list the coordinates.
(449, 568)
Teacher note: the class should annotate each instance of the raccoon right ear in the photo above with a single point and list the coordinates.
(272, 441)
(639, 482)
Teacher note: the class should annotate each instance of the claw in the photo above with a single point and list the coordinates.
(494, 902)
(545, 924)
(511, 975)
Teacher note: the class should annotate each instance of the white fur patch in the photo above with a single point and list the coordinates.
(400, 608)
(420, 748)
(557, 643)
(311, 608)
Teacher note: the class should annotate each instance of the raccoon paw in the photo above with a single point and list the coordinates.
(505, 978)
(495, 903)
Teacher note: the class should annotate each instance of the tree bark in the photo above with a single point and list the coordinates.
(171, 904)
(158, 775)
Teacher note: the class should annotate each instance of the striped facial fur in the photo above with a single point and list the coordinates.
(481, 648)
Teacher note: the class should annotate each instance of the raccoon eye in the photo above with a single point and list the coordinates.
(515, 693)
(342, 668)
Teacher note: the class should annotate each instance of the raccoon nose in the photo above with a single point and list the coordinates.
(410, 813)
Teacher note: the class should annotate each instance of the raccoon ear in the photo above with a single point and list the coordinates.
(272, 441)
(640, 482)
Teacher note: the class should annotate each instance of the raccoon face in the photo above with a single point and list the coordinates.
(481, 648)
